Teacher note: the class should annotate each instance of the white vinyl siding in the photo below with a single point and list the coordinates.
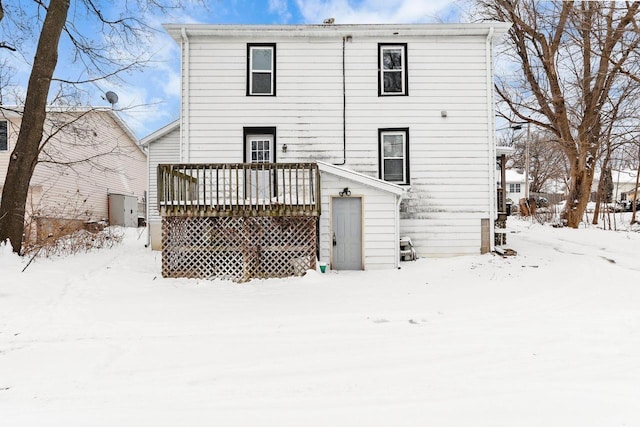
(449, 157)
(164, 150)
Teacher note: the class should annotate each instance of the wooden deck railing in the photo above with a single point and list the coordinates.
(239, 189)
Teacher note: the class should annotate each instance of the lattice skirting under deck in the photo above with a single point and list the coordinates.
(238, 248)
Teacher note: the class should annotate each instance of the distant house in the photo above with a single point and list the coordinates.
(89, 158)
(328, 142)
(514, 185)
(624, 184)
(631, 194)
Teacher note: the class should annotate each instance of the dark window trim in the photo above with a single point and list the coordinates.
(6, 135)
(269, 130)
(273, 89)
(405, 69)
(266, 130)
(406, 154)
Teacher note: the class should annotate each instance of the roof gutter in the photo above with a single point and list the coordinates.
(323, 31)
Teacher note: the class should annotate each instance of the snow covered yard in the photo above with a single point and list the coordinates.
(550, 337)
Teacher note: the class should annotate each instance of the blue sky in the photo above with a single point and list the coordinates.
(149, 99)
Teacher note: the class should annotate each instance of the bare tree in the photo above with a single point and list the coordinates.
(25, 154)
(547, 163)
(574, 59)
(106, 40)
(616, 146)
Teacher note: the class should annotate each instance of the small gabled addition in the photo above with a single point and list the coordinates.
(392, 70)
(261, 69)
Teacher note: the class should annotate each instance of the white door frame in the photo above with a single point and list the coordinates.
(262, 155)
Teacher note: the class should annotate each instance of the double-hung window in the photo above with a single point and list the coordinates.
(261, 69)
(4, 136)
(392, 69)
(394, 155)
(514, 188)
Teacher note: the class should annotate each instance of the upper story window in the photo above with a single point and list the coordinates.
(514, 188)
(261, 69)
(392, 69)
(4, 140)
(394, 155)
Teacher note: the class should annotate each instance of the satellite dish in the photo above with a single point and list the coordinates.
(112, 98)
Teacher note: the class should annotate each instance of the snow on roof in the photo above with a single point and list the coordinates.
(512, 175)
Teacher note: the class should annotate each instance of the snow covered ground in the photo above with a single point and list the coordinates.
(550, 337)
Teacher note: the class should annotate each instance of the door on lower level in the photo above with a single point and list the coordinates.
(346, 220)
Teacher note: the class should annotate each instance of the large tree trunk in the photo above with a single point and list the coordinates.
(25, 155)
(581, 179)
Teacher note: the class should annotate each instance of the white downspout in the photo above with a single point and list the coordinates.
(184, 116)
(146, 196)
(397, 227)
(492, 140)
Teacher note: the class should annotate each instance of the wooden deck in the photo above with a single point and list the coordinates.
(239, 189)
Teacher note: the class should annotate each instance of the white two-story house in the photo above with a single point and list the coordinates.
(378, 131)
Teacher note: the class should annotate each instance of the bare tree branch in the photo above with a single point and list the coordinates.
(575, 59)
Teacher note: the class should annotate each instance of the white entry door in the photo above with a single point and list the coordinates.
(259, 150)
(346, 224)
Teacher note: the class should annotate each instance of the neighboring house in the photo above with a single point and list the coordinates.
(631, 194)
(89, 159)
(394, 124)
(624, 182)
(514, 185)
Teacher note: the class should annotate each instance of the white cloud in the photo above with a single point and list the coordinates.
(373, 11)
(144, 112)
(280, 7)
